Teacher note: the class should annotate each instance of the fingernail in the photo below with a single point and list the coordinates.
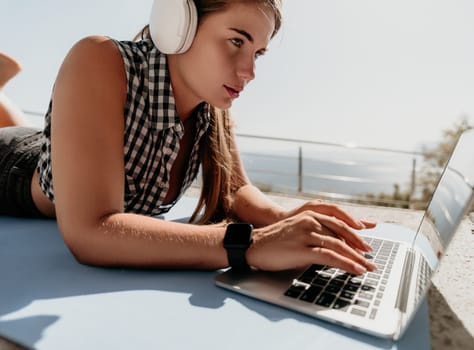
(360, 269)
(371, 266)
(368, 247)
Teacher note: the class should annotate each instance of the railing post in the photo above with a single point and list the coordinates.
(300, 170)
(413, 180)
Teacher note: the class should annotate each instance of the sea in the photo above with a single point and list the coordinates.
(327, 169)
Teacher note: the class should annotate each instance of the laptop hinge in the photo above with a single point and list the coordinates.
(402, 298)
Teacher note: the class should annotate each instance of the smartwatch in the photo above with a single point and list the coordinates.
(237, 239)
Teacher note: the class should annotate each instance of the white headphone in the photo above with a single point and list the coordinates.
(173, 25)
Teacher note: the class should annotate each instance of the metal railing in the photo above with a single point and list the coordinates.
(287, 170)
(343, 176)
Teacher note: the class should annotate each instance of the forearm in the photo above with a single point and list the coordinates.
(130, 240)
(251, 205)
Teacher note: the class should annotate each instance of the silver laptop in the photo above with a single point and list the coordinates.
(383, 302)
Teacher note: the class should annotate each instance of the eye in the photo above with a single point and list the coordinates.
(259, 54)
(237, 42)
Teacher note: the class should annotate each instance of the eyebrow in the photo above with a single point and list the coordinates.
(244, 33)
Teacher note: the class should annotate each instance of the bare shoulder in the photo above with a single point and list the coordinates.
(96, 61)
(95, 49)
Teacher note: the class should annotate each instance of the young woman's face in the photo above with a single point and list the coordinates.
(221, 60)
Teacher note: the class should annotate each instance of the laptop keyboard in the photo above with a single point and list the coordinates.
(424, 277)
(334, 288)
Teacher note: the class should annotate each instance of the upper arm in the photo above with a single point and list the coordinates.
(87, 135)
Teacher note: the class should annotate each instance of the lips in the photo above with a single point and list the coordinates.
(233, 93)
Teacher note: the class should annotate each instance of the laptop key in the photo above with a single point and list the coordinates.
(351, 287)
(317, 267)
(320, 281)
(365, 295)
(310, 294)
(306, 279)
(373, 276)
(336, 283)
(309, 273)
(358, 312)
(367, 288)
(361, 303)
(330, 271)
(347, 295)
(370, 282)
(324, 275)
(373, 313)
(341, 304)
(332, 289)
(294, 291)
(342, 277)
(325, 299)
(356, 279)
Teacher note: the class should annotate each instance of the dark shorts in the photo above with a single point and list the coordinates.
(19, 152)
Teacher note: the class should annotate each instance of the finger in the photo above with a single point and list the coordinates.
(330, 209)
(344, 250)
(322, 230)
(344, 232)
(329, 257)
(368, 224)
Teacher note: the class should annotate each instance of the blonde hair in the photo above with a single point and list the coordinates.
(219, 181)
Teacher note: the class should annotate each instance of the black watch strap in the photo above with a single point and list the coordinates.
(237, 259)
(237, 240)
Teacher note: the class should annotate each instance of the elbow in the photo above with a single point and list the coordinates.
(81, 255)
(81, 243)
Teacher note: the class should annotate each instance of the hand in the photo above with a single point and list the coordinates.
(309, 238)
(330, 209)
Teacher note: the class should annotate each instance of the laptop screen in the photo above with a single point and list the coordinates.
(451, 199)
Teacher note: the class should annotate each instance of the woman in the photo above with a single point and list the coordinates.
(125, 133)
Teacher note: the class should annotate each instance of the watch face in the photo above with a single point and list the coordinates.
(238, 235)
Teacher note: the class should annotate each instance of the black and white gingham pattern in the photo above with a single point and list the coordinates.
(152, 132)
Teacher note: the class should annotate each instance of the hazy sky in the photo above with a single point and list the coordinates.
(367, 72)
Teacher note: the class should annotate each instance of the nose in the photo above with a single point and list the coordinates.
(246, 70)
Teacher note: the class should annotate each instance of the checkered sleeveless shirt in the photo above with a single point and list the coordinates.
(152, 132)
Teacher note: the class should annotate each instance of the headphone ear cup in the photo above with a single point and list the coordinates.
(173, 25)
